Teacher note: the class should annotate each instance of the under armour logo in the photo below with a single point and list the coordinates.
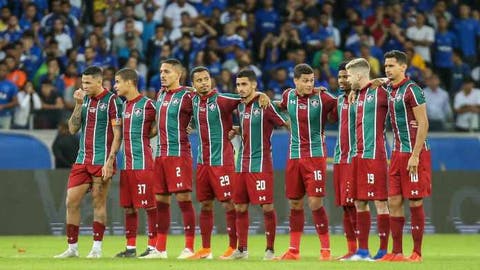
(179, 185)
(370, 194)
(319, 225)
(415, 228)
(349, 200)
(382, 234)
(186, 227)
(414, 192)
(226, 194)
(262, 198)
(144, 202)
(267, 233)
(318, 189)
(292, 101)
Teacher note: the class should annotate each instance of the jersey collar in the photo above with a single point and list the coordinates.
(395, 86)
(173, 91)
(255, 98)
(209, 95)
(305, 95)
(101, 95)
(366, 87)
(135, 99)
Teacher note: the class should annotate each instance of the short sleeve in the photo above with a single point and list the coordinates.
(150, 111)
(334, 113)
(187, 106)
(276, 117)
(414, 96)
(283, 104)
(115, 110)
(329, 101)
(230, 101)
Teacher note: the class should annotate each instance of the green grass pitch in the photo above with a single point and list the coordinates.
(449, 252)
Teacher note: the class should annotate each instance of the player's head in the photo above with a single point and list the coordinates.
(304, 78)
(170, 73)
(343, 77)
(92, 79)
(3, 70)
(201, 80)
(246, 83)
(125, 81)
(358, 71)
(395, 65)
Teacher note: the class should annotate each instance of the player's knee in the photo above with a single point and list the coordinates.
(267, 207)
(130, 210)
(395, 202)
(228, 206)
(183, 197)
(241, 207)
(361, 206)
(296, 204)
(207, 206)
(315, 203)
(415, 202)
(382, 207)
(72, 203)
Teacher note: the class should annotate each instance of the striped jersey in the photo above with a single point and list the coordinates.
(137, 119)
(403, 97)
(174, 112)
(371, 114)
(212, 116)
(256, 124)
(345, 147)
(96, 136)
(308, 116)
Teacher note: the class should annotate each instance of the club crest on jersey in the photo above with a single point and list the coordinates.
(256, 112)
(315, 103)
(102, 106)
(212, 106)
(369, 98)
(138, 112)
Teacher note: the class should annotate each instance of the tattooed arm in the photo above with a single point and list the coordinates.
(107, 170)
(75, 121)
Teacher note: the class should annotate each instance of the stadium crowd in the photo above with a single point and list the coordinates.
(46, 45)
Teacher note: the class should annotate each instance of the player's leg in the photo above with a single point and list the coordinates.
(163, 224)
(320, 220)
(74, 198)
(418, 227)
(349, 226)
(383, 227)
(231, 217)
(131, 226)
(206, 228)
(100, 189)
(270, 222)
(184, 200)
(242, 223)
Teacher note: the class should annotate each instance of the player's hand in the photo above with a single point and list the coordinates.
(412, 166)
(319, 89)
(263, 100)
(351, 97)
(107, 171)
(78, 95)
(234, 131)
(378, 82)
(189, 130)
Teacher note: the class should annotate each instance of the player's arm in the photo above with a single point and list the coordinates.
(75, 121)
(107, 170)
(420, 113)
(234, 131)
(153, 130)
(263, 100)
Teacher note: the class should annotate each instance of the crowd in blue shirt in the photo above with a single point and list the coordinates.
(53, 41)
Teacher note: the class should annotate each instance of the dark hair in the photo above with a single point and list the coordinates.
(401, 57)
(342, 66)
(247, 73)
(172, 61)
(128, 74)
(93, 71)
(197, 70)
(302, 69)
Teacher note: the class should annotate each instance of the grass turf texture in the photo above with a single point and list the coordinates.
(35, 252)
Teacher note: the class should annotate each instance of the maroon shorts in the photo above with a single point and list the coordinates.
(370, 177)
(343, 184)
(305, 175)
(402, 183)
(172, 175)
(215, 182)
(254, 188)
(136, 189)
(83, 173)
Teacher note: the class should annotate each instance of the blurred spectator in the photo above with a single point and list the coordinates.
(213, 62)
(63, 39)
(160, 6)
(29, 16)
(467, 30)
(129, 38)
(422, 37)
(184, 51)
(133, 63)
(32, 56)
(225, 83)
(186, 27)
(365, 9)
(15, 74)
(467, 106)
(394, 39)
(279, 83)
(149, 25)
(378, 24)
(230, 40)
(65, 147)
(445, 42)
(439, 11)
(439, 111)
(121, 27)
(201, 33)
(132, 45)
(173, 13)
(329, 30)
(154, 48)
(50, 114)
(13, 32)
(373, 61)
(71, 83)
(313, 36)
(459, 72)
(335, 56)
(8, 98)
(267, 19)
(53, 76)
(28, 102)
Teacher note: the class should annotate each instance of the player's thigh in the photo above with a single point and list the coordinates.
(260, 187)
(79, 175)
(178, 172)
(202, 184)
(159, 178)
(419, 185)
(240, 191)
(75, 195)
(221, 181)
(141, 188)
(313, 171)
(100, 189)
(126, 199)
(294, 186)
(371, 179)
(396, 170)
